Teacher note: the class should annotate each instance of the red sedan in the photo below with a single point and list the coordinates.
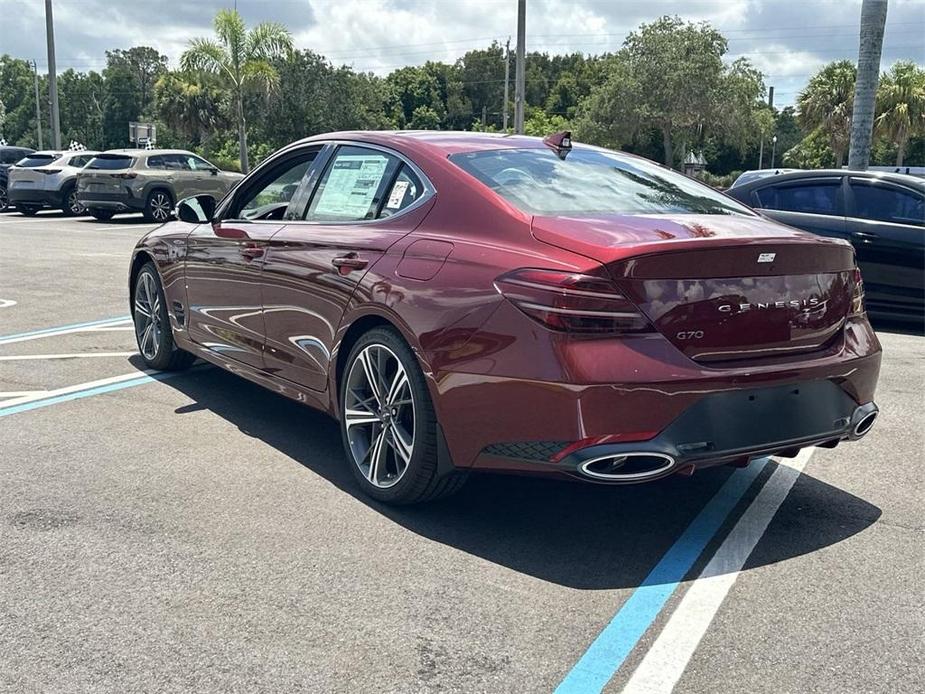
(463, 301)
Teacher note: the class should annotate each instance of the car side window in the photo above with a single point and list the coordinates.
(814, 198)
(197, 164)
(887, 204)
(354, 185)
(406, 189)
(176, 162)
(156, 162)
(78, 161)
(269, 197)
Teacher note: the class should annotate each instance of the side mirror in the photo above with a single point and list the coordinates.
(214, 170)
(197, 209)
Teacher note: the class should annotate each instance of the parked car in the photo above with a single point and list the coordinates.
(881, 214)
(756, 174)
(8, 157)
(148, 181)
(464, 301)
(47, 179)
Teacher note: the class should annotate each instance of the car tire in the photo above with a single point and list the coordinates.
(4, 200)
(403, 430)
(27, 210)
(101, 215)
(158, 206)
(70, 205)
(152, 324)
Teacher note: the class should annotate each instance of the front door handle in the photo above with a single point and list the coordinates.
(865, 236)
(345, 264)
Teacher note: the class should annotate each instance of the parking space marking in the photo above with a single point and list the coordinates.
(20, 393)
(6, 303)
(61, 330)
(665, 662)
(610, 649)
(81, 390)
(76, 355)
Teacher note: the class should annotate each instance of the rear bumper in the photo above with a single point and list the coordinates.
(656, 400)
(35, 196)
(118, 202)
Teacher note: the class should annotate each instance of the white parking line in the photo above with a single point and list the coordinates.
(20, 394)
(89, 385)
(77, 355)
(665, 662)
(65, 330)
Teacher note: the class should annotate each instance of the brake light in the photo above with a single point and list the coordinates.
(127, 174)
(857, 294)
(47, 171)
(571, 302)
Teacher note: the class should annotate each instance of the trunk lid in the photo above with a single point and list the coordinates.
(105, 173)
(720, 288)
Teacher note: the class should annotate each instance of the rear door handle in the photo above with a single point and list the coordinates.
(252, 252)
(866, 236)
(346, 263)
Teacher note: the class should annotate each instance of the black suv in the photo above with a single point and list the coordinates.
(881, 214)
(8, 157)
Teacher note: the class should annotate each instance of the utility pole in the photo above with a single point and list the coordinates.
(38, 106)
(770, 106)
(519, 73)
(873, 19)
(52, 76)
(507, 81)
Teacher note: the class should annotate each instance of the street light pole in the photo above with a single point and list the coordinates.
(38, 104)
(507, 81)
(773, 149)
(519, 72)
(52, 76)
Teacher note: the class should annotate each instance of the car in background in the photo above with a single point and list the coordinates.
(148, 181)
(917, 171)
(881, 214)
(47, 180)
(466, 301)
(756, 174)
(8, 156)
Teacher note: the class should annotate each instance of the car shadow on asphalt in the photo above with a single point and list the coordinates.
(576, 535)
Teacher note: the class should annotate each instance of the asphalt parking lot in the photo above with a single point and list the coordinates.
(199, 533)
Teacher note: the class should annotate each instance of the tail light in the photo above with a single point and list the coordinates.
(571, 302)
(47, 171)
(857, 294)
(126, 174)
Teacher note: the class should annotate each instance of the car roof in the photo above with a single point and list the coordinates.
(141, 152)
(18, 148)
(443, 142)
(903, 179)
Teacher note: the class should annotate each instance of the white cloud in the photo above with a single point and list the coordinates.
(787, 39)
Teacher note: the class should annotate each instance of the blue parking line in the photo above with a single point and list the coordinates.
(606, 654)
(77, 395)
(90, 324)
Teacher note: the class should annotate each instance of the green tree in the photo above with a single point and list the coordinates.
(827, 103)
(81, 97)
(901, 105)
(193, 108)
(18, 97)
(129, 79)
(242, 59)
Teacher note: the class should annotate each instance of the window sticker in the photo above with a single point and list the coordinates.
(398, 194)
(351, 186)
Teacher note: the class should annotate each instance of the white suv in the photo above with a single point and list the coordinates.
(47, 179)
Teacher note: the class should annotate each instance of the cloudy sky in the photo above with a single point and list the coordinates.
(787, 39)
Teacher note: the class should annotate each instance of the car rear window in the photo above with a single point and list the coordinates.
(588, 182)
(110, 162)
(33, 160)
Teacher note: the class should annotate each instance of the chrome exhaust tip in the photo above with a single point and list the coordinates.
(864, 425)
(627, 467)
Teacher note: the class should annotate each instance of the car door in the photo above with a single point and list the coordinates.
(887, 226)
(812, 204)
(204, 177)
(225, 260)
(366, 199)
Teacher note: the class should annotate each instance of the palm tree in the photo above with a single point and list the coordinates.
(827, 103)
(901, 105)
(241, 58)
(873, 19)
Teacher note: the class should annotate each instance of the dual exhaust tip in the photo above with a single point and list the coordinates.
(645, 465)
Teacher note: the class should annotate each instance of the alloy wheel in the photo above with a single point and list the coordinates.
(4, 200)
(379, 415)
(148, 316)
(160, 207)
(74, 205)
